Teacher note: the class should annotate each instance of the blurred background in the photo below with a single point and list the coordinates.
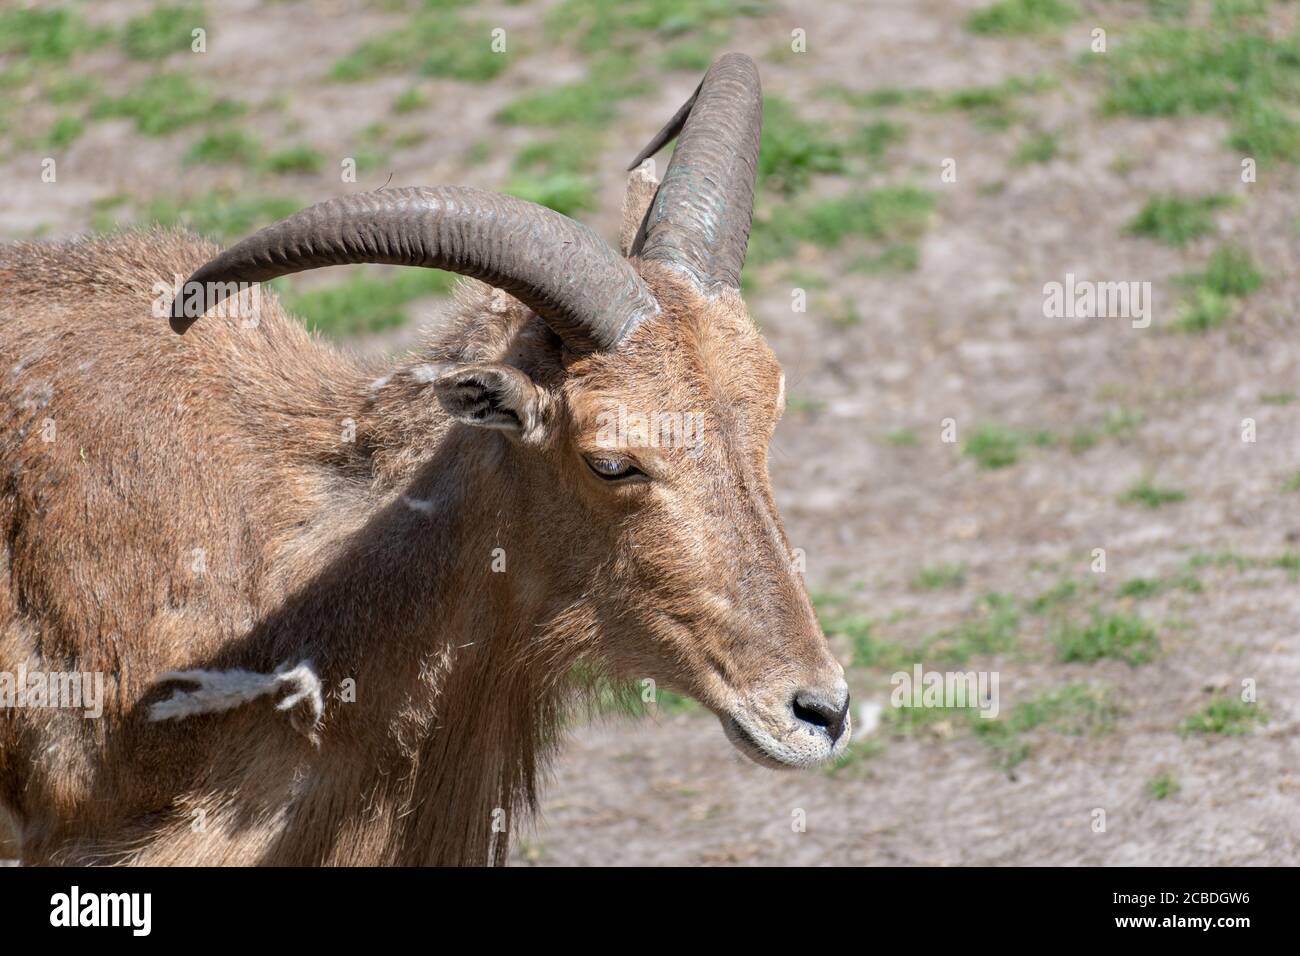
(951, 459)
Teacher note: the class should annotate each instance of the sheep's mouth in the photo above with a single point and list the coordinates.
(796, 749)
(744, 741)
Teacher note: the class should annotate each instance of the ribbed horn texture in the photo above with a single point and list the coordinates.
(700, 219)
(588, 294)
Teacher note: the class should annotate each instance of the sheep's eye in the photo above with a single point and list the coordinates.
(613, 469)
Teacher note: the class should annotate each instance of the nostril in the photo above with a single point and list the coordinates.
(815, 708)
(813, 713)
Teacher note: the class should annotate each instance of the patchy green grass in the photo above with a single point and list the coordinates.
(52, 35)
(1229, 275)
(107, 213)
(295, 159)
(1278, 398)
(229, 146)
(604, 25)
(1245, 72)
(882, 97)
(997, 446)
(1008, 745)
(890, 213)
(1228, 716)
(991, 628)
(162, 31)
(591, 102)
(902, 438)
(839, 619)
(62, 87)
(840, 310)
(15, 77)
(993, 446)
(793, 150)
(1169, 9)
(366, 302)
(1147, 493)
(605, 697)
(573, 153)
(895, 259)
(1202, 310)
(1175, 219)
(410, 101)
(433, 42)
(1082, 440)
(564, 192)
(874, 139)
(1292, 483)
(1022, 17)
(1122, 424)
(695, 52)
(991, 107)
(1230, 272)
(909, 720)
(165, 102)
(1120, 636)
(557, 172)
(807, 279)
(797, 403)
(1140, 589)
(1073, 709)
(1288, 561)
(856, 757)
(1040, 146)
(64, 131)
(1162, 786)
(222, 214)
(939, 577)
(1055, 597)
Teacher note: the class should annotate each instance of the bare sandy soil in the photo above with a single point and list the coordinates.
(961, 337)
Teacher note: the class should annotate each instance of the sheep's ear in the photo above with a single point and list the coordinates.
(641, 187)
(492, 396)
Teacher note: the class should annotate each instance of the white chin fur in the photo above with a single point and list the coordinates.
(797, 747)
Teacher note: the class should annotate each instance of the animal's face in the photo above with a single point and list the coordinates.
(681, 570)
(643, 448)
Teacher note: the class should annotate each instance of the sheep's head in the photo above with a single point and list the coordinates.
(646, 414)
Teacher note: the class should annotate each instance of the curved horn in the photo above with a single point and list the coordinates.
(588, 294)
(699, 221)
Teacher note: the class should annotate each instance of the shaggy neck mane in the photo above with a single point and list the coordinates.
(460, 663)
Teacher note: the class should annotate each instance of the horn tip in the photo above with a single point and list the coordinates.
(180, 319)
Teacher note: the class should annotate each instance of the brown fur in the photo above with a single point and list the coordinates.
(371, 558)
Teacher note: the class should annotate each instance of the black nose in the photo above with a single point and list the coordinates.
(822, 709)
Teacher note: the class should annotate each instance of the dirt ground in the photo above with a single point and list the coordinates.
(963, 337)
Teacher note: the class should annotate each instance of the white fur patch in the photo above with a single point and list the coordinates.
(424, 374)
(225, 690)
(419, 505)
(500, 302)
